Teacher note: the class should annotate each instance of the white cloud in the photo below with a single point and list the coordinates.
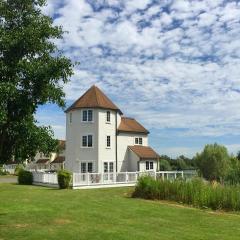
(179, 69)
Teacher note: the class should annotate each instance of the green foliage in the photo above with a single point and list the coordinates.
(233, 175)
(164, 165)
(196, 192)
(18, 168)
(33, 72)
(181, 163)
(213, 162)
(3, 171)
(25, 177)
(64, 179)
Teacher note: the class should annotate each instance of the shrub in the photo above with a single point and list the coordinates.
(18, 168)
(25, 177)
(197, 192)
(64, 179)
(3, 171)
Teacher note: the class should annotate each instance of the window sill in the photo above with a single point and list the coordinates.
(108, 122)
(87, 147)
(108, 147)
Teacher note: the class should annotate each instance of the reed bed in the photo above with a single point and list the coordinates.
(196, 192)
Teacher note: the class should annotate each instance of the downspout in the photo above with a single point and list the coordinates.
(116, 141)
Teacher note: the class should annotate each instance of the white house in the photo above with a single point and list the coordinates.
(53, 161)
(100, 139)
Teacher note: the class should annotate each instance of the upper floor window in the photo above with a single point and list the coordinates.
(87, 141)
(87, 115)
(70, 118)
(138, 141)
(108, 141)
(108, 117)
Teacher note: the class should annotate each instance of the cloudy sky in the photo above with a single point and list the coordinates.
(172, 64)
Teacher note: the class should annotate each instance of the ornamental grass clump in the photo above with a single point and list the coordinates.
(197, 192)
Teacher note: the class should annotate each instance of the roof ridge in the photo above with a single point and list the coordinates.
(95, 91)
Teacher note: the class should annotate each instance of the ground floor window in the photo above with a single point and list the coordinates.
(149, 165)
(86, 167)
(108, 167)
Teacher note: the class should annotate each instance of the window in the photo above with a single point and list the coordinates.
(90, 167)
(105, 165)
(87, 115)
(149, 165)
(84, 141)
(108, 116)
(84, 115)
(108, 167)
(90, 143)
(87, 141)
(86, 167)
(83, 167)
(70, 118)
(108, 141)
(111, 167)
(138, 141)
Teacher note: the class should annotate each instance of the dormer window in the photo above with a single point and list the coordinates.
(108, 117)
(87, 115)
(138, 141)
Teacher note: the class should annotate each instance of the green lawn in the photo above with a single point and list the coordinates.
(30, 212)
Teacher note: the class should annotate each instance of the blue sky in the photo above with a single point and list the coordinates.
(172, 64)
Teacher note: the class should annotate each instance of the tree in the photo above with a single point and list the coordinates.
(164, 165)
(32, 71)
(238, 156)
(213, 162)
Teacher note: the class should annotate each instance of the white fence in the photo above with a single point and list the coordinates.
(129, 178)
(108, 179)
(45, 178)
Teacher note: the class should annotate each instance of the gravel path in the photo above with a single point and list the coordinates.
(8, 179)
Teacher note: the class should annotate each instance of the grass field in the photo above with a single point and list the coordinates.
(30, 212)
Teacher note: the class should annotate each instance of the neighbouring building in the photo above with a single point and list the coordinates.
(100, 139)
(54, 160)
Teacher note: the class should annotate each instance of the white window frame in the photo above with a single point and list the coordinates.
(108, 112)
(138, 141)
(87, 110)
(107, 142)
(148, 163)
(108, 167)
(87, 170)
(86, 135)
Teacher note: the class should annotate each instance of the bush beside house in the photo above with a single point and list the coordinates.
(64, 179)
(25, 177)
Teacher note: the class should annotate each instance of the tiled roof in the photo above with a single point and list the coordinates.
(144, 152)
(61, 144)
(59, 159)
(42, 160)
(94, 98)
(131, 125)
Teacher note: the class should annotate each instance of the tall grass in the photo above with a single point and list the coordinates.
(196, 192)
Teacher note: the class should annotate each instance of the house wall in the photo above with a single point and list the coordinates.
(133, 164)
(123, 141)
(75, 153)
(106, 154)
